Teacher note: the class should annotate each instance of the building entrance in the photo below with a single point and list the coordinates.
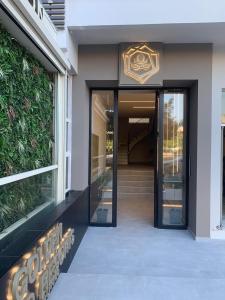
(137, 145)
(138, 156)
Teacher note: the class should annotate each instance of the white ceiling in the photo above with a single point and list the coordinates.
(136, 103)
(166, 33)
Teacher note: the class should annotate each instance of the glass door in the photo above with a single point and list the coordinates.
(171, 190)
(103, 150)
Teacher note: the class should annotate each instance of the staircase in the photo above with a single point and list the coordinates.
(123, 155)
(135, 182)
(137, 139)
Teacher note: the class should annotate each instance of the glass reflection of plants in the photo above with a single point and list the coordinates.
(19, 198)
(26, 124)
(173, 137)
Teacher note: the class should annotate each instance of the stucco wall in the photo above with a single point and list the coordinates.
(181, 62)
(95, 63)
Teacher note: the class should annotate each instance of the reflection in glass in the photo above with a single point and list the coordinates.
(223, 107)
(102, 157)
(173, 159)
(18, 199)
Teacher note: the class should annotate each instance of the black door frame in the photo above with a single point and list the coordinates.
(157, 210)
(159, 189)
(115, 146)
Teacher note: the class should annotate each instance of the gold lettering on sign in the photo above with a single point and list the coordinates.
(140, 62)
(36, 276)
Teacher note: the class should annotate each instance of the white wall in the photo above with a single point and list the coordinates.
(131, 12)
(70, 48)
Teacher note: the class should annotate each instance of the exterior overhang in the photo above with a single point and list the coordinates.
(165, 33)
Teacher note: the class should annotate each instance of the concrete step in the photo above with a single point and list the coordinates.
(144, 183)
(135, 172)
(134, 189)
(132, 177)
(86, 286)
(136, 196)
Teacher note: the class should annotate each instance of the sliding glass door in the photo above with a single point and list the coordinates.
(172, 160)
(102, 177)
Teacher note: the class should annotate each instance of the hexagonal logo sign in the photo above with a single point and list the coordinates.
(140, 62)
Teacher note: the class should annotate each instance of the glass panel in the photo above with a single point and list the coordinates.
(223, 176)
(67, 136)
(173, 160)
(20, 198)
(67, 173)
(223, 107)
(102, 157)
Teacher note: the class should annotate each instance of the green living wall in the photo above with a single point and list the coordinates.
(26, 126)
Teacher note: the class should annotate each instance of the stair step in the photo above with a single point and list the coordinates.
(135, 177)
(122, 183)
(137, 196)
(135, 172)
(136, 190)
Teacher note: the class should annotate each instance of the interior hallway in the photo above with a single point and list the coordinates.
(136, 261)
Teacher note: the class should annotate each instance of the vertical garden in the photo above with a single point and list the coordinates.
(26, 129)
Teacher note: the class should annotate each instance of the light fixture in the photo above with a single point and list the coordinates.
(144, 101)
(144, 107)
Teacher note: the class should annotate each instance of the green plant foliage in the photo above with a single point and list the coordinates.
(26, 109)
(26, 127)
(19, 198)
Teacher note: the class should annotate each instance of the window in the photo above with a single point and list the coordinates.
(223, 107)
(28, 165)
(68, 133)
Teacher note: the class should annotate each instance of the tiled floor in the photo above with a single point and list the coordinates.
(135, 261)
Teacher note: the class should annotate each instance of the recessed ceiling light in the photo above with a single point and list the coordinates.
(144, 107)
(135, 101)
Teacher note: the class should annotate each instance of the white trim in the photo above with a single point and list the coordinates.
(61, 132)
(20, 176)
(100, 110)
(68, 134)
(23, 12)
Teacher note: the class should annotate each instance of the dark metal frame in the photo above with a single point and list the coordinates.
(157, 208)
(159, 199)
(115, 148)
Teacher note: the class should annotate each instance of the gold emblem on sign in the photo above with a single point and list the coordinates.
(140, 62)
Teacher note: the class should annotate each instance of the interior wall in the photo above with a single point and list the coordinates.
(141, 153)
(99, 129)
(122, 131)
(218, 83)
(181, 62)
